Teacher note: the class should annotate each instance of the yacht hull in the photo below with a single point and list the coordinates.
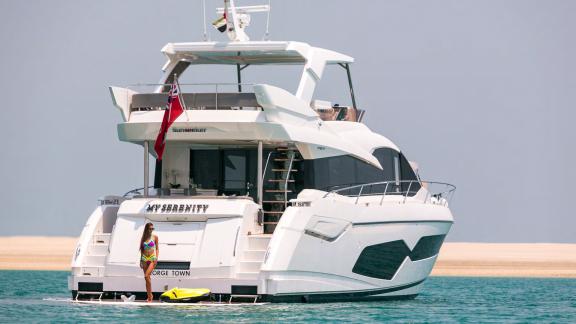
(322, 250)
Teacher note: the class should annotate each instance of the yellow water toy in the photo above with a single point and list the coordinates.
(185, 295)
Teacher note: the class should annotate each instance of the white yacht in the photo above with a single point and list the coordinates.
(262, 194)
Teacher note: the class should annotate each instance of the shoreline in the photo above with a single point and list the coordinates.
(535, 260)
(538, 260)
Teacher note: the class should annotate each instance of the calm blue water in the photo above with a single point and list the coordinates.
(36, 296)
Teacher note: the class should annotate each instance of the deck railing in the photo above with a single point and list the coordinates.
(136, 192)
(175, 193)
(436, 192)
(196, 96)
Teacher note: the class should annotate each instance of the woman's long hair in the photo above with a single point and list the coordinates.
(145, 236)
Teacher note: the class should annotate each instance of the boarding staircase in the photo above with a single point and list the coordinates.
(282, 165)
(96, 254)
(253, 257)
(93, 264)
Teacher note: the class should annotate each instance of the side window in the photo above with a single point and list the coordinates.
(333, 172)
(406, 172)
(386, 157)
(397, 169)
(343, 171)
(366, 173)
(410, 180)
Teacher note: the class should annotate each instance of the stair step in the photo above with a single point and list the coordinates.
(91, 293)
(247, 275)
(101, 238)
(254, 255)
(277, 190)
(236, 296)
(258, 242)
(280, 180)
(98, 249)
(284, 170)
(276, 217)
(92, 271)
(94, 260)
(286, 159)
(273, 212)
(270, 223)
(250, 266)
(273, 201)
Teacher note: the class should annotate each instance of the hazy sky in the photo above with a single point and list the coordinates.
(480, 93)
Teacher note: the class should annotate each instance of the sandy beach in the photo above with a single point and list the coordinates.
(455, 259)
(507, 260)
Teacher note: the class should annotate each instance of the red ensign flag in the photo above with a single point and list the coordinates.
(173, 110)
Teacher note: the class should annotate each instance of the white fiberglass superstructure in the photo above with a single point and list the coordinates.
(262, 193)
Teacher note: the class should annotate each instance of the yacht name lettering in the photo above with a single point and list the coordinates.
(109, 202)
(177, 208)
(189, 130)
(172, 273)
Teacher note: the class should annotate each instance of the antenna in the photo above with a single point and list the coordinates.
(204, 19)
(235, 19)
(267, 33)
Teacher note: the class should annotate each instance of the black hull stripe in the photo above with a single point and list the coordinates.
(402, 222)
(365, 295)
(340, 296)
(331, 299)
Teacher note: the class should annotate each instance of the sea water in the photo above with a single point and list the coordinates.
(41, 296)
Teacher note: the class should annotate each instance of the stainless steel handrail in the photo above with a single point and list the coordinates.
(186, 84)
(136, 191)
(286, 180)
(159, 86)
(266, 166)
(218, 88)
(443, 197)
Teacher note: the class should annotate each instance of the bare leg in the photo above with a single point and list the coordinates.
(148, 288)
(145, 266)
(147, 276)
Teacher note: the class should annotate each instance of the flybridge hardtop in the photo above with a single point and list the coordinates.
(260, 194)
(251, 52)
(314, 59)
(266, 113)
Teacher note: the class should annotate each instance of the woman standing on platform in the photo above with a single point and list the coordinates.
(148, 257)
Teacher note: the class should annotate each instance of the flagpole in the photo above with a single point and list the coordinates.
(146, 169)
(169, 111)
(181, 97)
(170, 103)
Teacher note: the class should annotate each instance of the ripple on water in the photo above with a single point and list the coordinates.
(41, 296)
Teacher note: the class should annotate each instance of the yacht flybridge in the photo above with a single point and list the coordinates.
(262, 193)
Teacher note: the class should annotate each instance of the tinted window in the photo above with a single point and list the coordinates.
(427, 246)
(381, 261)
(205, 168)
(232, 172)
(235, 171)
(407, 173)
(343, 171)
